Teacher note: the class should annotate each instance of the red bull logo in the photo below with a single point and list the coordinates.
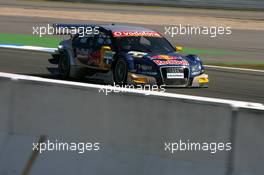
(178, 62)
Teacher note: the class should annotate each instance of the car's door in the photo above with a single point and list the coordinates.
(101, 54)
(82, 47)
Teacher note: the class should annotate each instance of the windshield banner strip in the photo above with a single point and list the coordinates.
(136, 33)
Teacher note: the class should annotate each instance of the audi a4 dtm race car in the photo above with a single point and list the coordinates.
(127, 55)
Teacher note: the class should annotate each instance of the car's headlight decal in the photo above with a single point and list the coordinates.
(144, 67)
(196, 69)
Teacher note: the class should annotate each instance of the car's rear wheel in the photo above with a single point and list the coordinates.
(64, 66)
(120, 72)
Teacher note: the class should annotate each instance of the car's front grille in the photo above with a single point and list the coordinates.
(175, 76)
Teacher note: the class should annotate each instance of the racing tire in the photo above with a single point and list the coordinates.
(120, 72)
(64, 66)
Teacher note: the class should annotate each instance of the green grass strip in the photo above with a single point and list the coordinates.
(209, 52)
(29, 40)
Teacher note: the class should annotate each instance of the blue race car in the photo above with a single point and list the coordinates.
(126, 55)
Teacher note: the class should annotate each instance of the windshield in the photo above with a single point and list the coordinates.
(144, 44)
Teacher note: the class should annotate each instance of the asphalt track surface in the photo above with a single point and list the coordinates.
(133, 9)
(226, 84)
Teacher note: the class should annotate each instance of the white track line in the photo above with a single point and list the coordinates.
(235, 68)
(232, 103)
(33, 48)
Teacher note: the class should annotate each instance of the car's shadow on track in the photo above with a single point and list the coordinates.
(54, 74)
(185, 87)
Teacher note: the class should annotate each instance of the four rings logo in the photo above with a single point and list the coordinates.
(174, 70)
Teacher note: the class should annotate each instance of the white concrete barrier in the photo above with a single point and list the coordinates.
(249, 141)
(132, 128)
(5, 103)
(15, 153)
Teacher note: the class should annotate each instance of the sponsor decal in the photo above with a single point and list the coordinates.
(175, 75)
(179, 62)
(137, 54)
(136, 33)
(108, 57)
(147, 73)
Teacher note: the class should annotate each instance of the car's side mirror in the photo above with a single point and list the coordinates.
(178, 48)
(107, 57)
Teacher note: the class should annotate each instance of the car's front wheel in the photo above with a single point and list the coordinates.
(64, 66)
(120, 72)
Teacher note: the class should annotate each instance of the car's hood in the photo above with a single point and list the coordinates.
(161, 59)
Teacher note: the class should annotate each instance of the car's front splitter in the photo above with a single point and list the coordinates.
(138, 79)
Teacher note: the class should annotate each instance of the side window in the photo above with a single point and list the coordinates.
(83, 42)
(144, 41)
